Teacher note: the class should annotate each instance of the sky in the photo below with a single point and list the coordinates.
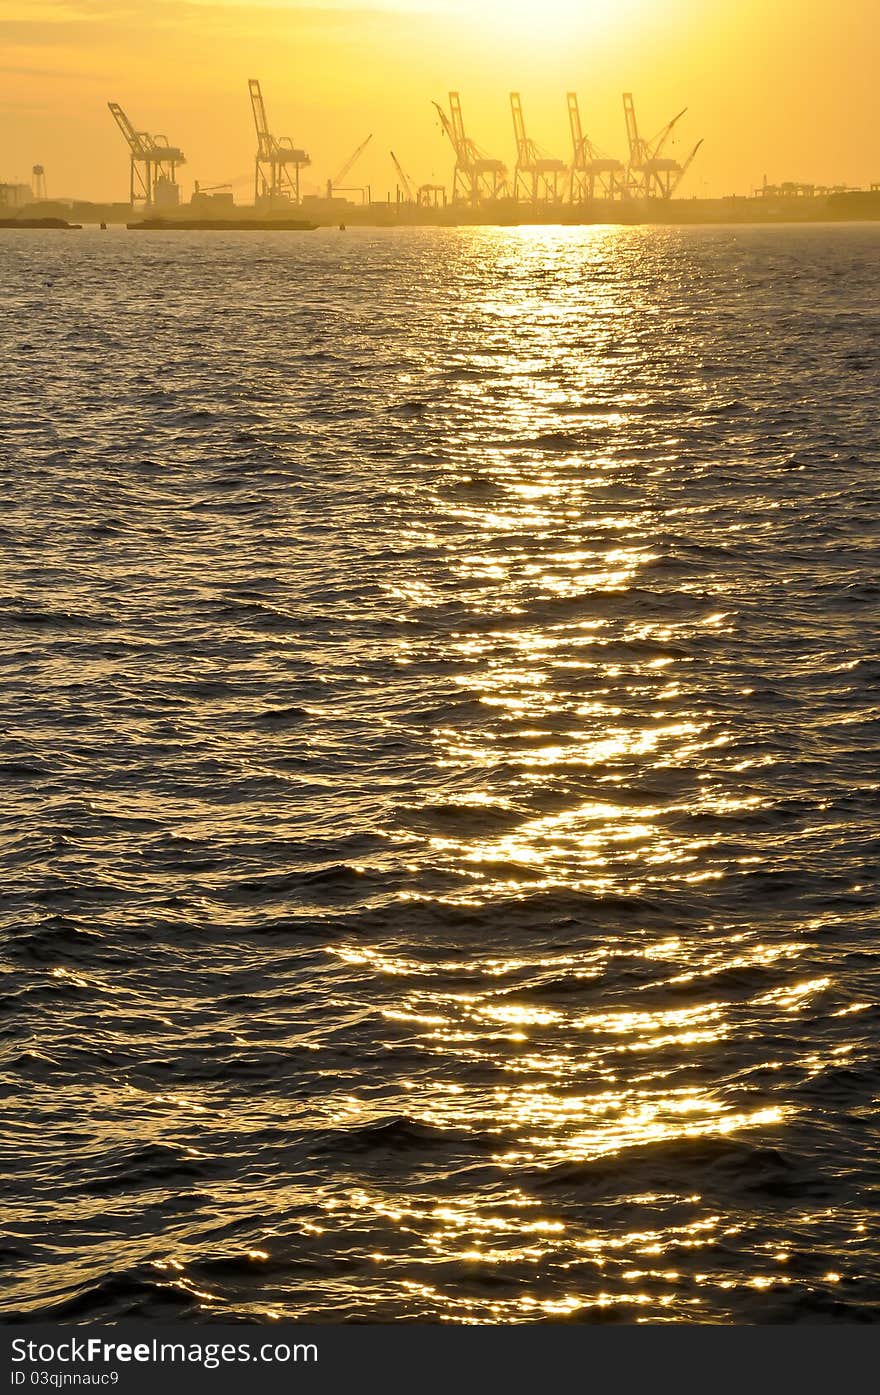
(785, 88)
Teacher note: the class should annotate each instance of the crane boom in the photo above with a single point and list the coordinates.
(404, 182)
(447, 126)
(685, 167)
(350, 162)
(134, 139)
(656, 145)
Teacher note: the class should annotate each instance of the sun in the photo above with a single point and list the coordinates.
(555, 20)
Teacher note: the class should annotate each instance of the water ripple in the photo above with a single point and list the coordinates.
(439, 705)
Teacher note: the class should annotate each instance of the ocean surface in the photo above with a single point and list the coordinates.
(439, 746)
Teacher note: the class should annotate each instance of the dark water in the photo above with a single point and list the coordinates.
(440, 727)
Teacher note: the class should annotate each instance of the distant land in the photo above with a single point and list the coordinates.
(835, 207)
(590, 189)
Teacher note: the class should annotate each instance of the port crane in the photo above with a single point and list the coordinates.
(537, 176)
(432, 195)
(650, 173)
(335, 185)
(426, 195)
(591, 172)
(477, 176)
(153, 163)
(276, 157)
(405, 187)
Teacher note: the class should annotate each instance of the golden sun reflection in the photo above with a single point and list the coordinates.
(458, 856)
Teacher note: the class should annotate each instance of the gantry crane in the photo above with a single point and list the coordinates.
(478, 178)
(335, 185)
(537, 176)
(650, 173)
(276, 157)
(590, 171)
(153, 164)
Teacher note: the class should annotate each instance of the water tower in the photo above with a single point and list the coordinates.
(39, 183)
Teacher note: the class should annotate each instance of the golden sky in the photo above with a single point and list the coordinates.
(786, 87)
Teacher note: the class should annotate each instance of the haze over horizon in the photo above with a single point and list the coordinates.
(785, 88)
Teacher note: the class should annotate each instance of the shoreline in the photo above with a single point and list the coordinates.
(856, 207)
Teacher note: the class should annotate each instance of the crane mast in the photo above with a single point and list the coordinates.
(523, 150)
(457, 120)
(258, 106)
(636, 148)
(574, 125)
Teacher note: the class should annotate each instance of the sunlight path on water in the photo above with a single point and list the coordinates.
(441, 840)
